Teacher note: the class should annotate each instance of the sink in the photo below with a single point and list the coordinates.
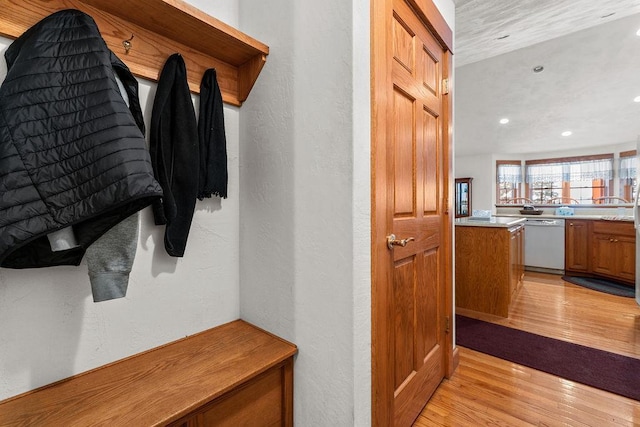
(617, 218)
(479, 218)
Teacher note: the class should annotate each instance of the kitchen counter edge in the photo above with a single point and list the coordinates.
(591, 217)
(501, 221)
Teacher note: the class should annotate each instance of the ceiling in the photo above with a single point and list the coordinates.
(591, 75)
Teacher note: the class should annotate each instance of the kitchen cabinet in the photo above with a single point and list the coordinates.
(614, 250)
(576, 253)
(489, 267)
(599, 248)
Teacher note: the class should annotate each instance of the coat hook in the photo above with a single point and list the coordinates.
(127, 44)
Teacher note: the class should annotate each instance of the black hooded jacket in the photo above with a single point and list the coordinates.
(71, 151)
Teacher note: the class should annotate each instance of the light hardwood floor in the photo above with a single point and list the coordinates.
(486, 391)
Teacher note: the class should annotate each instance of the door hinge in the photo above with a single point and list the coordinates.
(447, 324)
(445, 86)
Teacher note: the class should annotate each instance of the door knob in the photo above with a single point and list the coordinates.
(392, 241)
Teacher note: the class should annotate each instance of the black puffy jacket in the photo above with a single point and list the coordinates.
(71, 151)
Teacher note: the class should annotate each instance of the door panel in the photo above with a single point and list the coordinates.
(403, 44)
(430, 70)
(411, 289)
(404, 155)
(431, 157)
(416, 179)
(404, 303)
(604, 257)
(428, 338)
(626, 247)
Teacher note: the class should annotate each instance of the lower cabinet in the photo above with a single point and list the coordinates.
(601, 248)
(489, 267)
(614, 250)
(576, 253)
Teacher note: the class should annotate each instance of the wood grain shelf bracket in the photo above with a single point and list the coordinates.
(160, 28)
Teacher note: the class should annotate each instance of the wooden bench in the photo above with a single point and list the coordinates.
(231, 375)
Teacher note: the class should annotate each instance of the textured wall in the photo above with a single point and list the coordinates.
(297, 222)
(50, 328)
(305, 215)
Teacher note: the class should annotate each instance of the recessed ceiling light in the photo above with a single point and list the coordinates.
(638, 33)
(636, 99)
(538, 68)
(504, 121)
(566, 133)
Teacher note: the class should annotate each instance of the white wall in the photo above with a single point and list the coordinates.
(297, 220)
(305, 215)
(50, 328)
(483, 173)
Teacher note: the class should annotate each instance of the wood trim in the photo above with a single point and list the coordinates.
(569, 159)
(630, 153)
(508, 162)
(203, 41)
(287, 393)
(430, 15)
(447, 244)
(456, 360)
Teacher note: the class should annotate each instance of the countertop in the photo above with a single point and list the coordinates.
(580, 212)
(592, 217)
(494, 221)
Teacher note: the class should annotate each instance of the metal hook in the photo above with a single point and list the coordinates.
(127, 44)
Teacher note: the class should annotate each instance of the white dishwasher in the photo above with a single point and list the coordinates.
(544, 245)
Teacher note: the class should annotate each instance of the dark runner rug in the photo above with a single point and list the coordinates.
(601, 369)
(602, 285)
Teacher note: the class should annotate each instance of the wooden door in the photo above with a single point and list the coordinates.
(411, 295)
(626, 250)
(604, 257)
(576, 246)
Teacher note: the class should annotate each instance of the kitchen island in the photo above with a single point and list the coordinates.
(489, 263)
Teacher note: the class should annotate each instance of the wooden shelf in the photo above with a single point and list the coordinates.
(159, 28)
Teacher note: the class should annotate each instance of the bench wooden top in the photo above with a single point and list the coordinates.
(155, 387)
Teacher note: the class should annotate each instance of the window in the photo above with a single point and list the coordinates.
(628, 175)
(570, 179)
(508, 178)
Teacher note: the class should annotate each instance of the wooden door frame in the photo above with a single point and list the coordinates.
(382, 390)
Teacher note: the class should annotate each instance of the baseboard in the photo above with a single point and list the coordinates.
(456, 362)
(557, 271)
